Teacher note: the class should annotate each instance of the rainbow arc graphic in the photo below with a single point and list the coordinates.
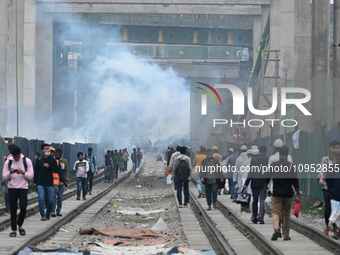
(204, 97)
(209, 93)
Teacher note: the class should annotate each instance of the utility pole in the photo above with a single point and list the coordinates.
(320, 61)
(336, 64)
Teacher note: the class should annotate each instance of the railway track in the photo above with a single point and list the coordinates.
(250, 231)
(70, 185)
(33, 206)
(51, 229)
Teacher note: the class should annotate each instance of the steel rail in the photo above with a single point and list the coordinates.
(34, 199)
(30, 211)
(316, 236)
(51, 229)
(223, 244)
(263, 245)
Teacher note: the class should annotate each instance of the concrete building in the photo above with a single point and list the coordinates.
(196, 38)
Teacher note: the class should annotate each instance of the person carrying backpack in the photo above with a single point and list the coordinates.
(5, 183)
(134, 160)
(89, 157)
(211, 184)
(107, 166)
(182, 166)
(18, 170)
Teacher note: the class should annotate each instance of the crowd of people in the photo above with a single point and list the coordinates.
(116, 162)
(240, 177)
(49, 172)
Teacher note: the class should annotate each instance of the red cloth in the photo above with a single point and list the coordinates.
(297, 208)
(126, 233)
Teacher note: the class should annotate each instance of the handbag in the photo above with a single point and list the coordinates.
(297, 208)
(243, 198)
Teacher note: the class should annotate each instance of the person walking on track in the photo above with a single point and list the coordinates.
(334, 146)
(18, 170)
(43, 179)
(107, 166)
(182, 166)
(81, 166)
(211, 184)
(282, 193)
(134, 160)
(64, 168)
(89, 157)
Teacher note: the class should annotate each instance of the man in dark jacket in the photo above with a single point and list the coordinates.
(43, 179)
(211, 184)
(282, 193)
(182, 171)
(257, 183)
(333, 184)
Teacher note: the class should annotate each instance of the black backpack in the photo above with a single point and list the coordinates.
(182, 171)
(24, 161)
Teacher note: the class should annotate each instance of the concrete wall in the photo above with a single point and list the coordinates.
(190, 2)
(35, 34)
(154, 9)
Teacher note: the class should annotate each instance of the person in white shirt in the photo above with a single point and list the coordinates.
(276, 157)
(81, 166)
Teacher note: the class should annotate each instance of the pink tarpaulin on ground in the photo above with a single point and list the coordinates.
(138, 234)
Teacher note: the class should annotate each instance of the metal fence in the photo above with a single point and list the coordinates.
(30, 147)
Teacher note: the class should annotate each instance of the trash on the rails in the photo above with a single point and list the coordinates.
(160, 225)
(138, 186)
(161, 177)
(63, 230)
(134, 210)
(127, 243)
(34, 250)
(138, 234)
(177, 250)
(108, 249)
(169, 179)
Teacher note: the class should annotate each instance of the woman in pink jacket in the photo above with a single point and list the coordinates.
(18, 170)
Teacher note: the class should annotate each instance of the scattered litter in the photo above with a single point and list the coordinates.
(188, 251)
(63, 230)
(134, 210)
(160, 225)
(108, 249)
(169, 179)
(40, 251)
(138, 186)
(161, 177)
(138, 234)
(127, 243)
(114, 205)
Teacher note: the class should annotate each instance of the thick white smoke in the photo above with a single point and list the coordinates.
(132, 98)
